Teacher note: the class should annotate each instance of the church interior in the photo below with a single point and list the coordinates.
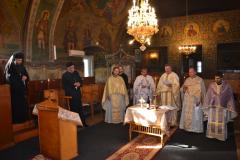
(64, 95)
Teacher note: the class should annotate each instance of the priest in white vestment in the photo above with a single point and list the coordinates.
(115, 98)
(219, 107)
(192, 93)
(143, 87)
(168, 88)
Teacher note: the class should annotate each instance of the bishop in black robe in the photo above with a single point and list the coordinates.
(18, 78)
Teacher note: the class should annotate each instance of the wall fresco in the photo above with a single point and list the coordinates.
(86, 23)
(11, 18)
(41, 30)
(207, 30)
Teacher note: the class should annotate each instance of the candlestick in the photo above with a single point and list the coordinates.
(48, 83)
(54, 52)
(141, 100)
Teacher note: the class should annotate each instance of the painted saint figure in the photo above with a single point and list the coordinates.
(87, 36)
(42, 30)
(70, 37)
(191, 31)
(165, 32)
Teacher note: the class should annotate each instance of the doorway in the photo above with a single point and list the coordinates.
(192, 60)
(154, 59)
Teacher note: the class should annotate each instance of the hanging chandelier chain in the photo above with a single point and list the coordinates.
(187, 49)
(187, 11)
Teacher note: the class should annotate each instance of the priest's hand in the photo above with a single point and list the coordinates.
(185, 88)
(155, 94)
(198, 103)
(158, 96)
(77, 84)
(24, 78)
(143, 86)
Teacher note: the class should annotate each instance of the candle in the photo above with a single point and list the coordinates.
(48, 83)
(54, 52)
(141, 101)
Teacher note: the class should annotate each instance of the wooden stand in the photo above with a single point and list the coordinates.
(6, 130)
(57, 95)
(58, 138)
(151, 130)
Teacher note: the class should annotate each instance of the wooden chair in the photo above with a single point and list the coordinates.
(66, 102)
(91, 95)
(88, 98)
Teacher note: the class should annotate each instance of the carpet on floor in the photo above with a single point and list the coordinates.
(40, 157)
(143, 147)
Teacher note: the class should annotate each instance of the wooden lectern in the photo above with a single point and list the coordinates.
(59, 97)
(6, 130)
(57, 138)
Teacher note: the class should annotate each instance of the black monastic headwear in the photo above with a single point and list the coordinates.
(15, 55)
(18, 55)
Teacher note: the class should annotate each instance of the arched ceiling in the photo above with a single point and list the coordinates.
(11, 23)
(101, 12)
(175, 8)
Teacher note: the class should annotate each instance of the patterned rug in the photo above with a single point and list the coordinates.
(40, 157)
(143, 147)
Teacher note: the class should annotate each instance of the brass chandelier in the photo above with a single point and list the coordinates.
(142, 22)
(187, 49)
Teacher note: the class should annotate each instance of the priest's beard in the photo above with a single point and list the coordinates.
(219, 83)
(19, 68)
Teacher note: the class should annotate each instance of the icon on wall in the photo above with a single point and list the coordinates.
(138, 56)
(191, 29)
(221, 27)
(166, 31)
